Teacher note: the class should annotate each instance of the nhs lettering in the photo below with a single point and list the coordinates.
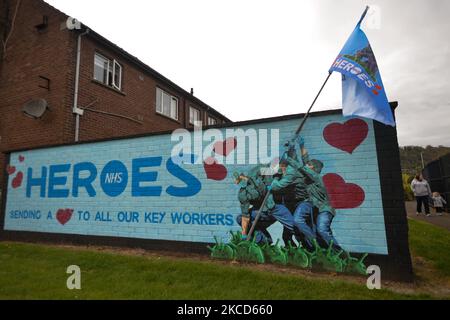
(52, 181)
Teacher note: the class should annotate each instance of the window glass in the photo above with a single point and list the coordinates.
(166, 104)
(211, 121)
(194, 115)
(101, 69)
(158, 100)
(174, 109)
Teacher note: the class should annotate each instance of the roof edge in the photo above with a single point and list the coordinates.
(156, 133)
(393, 104)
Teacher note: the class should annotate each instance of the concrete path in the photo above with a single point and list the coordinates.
(443, 221)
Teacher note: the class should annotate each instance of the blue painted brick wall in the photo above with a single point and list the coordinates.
(358, 229)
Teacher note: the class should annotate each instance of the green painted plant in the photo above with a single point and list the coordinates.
(299, 257)
(222, 251)
(328, 259)
(245, 250)
(355, 265)
(274, 253)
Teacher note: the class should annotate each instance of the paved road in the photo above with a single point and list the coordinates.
(443, 221)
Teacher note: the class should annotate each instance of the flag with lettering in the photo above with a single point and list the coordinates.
(363, 92)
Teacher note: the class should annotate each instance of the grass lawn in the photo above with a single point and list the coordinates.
(29, 271)
(431, 243)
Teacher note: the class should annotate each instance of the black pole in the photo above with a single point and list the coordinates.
(363, 15)
(297, 132)
(300, 127)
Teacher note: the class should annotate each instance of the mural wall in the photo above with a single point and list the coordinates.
(140, 188)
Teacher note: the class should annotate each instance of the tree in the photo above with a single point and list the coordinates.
(408, 193)
(410, 157)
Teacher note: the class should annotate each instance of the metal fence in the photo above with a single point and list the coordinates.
(437, 173)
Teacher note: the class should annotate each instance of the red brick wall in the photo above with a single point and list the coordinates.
(31, 54)
(52, 54)
(136, 100)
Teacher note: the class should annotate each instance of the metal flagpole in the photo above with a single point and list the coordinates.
(297, 132)
(363, 15)
(300, 127)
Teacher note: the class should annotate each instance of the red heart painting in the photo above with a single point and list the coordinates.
(21, 158)
(343, 195)
(224, 148)
(10, 169)
(64, 215)
(214, 170)
(347, 136)
(17, 181)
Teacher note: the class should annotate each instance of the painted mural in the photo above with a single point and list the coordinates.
(323, 190)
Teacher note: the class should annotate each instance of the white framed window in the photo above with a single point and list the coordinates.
(212, 121)
(108, 72)
(166, 104)
(194, 115)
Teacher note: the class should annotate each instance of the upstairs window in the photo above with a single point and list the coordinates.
(108, 72)
(194, 115)
(166, 104)
(212, 121)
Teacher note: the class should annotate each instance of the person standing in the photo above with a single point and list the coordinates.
(422, 192)
(438, 203)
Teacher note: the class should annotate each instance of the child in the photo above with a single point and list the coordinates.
(438, 203)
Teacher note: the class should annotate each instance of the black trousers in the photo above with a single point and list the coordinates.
(422, 200)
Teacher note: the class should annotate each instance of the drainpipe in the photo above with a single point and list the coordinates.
(77, 111)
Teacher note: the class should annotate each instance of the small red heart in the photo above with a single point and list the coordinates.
(21, 158)
(64, 215)
(10, 169)
(343, 195)
(348, 136)
(214, 170)
(17, 181)
(224, 148)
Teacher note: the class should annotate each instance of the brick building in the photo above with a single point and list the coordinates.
(120, 95)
